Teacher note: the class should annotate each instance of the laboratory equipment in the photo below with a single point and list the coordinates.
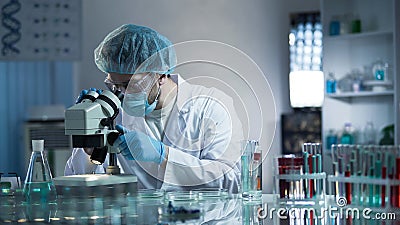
(366, 175)
(379, 70)
(211, 193)
(299, 180)
(251, 158)
(356, 24)
(181, 206)
(39, 187)
(347, 135)
(331, 139)
(9, 183)
(151, 194)
(334, 26)
(331, 84)
(369, 133)
(90, 122)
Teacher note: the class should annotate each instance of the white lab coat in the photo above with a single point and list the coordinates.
(203, 134)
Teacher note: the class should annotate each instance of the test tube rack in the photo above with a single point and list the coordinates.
(300, 189)
(365, 176)
(300, 180)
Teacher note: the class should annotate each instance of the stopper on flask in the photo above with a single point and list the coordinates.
(37, 145)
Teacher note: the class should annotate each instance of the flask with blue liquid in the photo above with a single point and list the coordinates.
(39, 187)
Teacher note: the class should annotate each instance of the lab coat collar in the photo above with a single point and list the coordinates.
(184, 96)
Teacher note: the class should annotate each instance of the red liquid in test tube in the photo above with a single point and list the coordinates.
(348, 188)
(383, 193)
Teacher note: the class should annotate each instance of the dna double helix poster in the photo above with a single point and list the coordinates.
(40, 30)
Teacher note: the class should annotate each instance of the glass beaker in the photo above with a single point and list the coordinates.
(39, 187)
(251, 159)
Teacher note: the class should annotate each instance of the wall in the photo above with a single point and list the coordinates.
(259, 28)
(24, 85)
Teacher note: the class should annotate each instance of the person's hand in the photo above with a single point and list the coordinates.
(84, 92)
(135, 145)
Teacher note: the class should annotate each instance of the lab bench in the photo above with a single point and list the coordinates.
(157, 208)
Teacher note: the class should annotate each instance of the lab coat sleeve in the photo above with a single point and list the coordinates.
(79, 163)
(218, 164)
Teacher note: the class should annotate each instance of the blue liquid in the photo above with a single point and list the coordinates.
(40, 192)
(347, 139)
(249, 176)
(331, 86)
(334, 28)
(379, 75)
(330, 140)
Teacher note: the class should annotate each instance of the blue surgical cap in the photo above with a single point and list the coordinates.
(132, 49)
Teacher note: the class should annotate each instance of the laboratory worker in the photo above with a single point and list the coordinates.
(174, 135)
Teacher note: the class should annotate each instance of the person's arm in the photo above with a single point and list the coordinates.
(219, 162)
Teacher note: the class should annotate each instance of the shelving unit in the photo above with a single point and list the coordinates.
(379, 39)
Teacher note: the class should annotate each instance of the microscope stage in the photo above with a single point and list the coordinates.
(98, 184)
(89, 180)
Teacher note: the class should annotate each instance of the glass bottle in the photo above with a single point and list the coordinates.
(331, 84)
(379, 70)
(334, 26)
(347, 136)
(369, 133)
(331, 139)
(39, 187)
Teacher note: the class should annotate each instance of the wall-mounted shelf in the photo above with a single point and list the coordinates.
(360, 35)
(361, 94)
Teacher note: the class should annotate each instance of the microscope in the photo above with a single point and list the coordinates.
(91, 123)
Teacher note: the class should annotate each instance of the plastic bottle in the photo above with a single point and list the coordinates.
(347, 136)
(331, 139)
(356, 24)
(334, 26)
(39, 187)
(369, 133)
(379, 70)
(331, 84)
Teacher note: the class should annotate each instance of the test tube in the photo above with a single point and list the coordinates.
(291, 165)
(364, 156)
(397, 175)
(371, 174)
(378, 175)
(386, 167)
(319, 168)
(334, 149)
(390, 162)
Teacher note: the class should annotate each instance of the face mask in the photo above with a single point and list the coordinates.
(136, 104)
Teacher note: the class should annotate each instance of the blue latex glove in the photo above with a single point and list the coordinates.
(135, 145)
(85, 91)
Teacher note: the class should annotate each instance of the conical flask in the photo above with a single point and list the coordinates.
(39, 187)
